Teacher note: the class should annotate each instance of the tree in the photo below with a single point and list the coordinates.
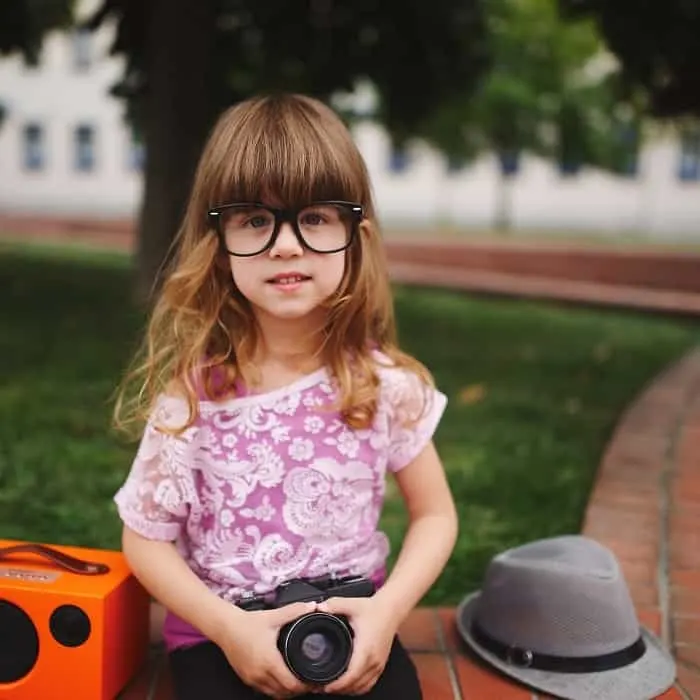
(548, 92)
(188, 60)
(24, 23)
(657, 46)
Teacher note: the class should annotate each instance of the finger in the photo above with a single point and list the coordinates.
(338, 606)
(274, 688)
(354, 671)
(287, 613)
(268, 687)
(286, 680)
(366, 682)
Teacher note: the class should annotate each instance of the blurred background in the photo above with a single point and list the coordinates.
(516, 124)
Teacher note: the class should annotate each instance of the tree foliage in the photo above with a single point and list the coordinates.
(656, 44)
(416, 56)
(549, 91)
(24, 23)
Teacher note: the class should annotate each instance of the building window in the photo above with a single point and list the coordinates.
(136, 155)
(84, 144)
(34, 155)
(399, 160)
(569, 167)
(631, 138)
(689, 165)
(82, 49)
(455, 164)
(509, 162)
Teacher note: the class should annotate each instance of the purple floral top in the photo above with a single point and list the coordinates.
(266, 487)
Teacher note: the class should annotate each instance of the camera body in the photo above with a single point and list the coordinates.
(316, 647)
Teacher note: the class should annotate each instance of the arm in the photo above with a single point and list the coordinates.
(165, 575)
(429, 540)
(431, 534)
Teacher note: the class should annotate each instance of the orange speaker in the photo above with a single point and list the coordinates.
(74, 622)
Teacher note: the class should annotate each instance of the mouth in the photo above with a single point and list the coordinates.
(288, 278)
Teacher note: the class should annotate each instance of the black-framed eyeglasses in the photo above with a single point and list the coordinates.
(250, 228)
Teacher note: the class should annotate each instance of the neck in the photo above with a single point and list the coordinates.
(293, 343)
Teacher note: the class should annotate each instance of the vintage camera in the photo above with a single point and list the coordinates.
(316, 647)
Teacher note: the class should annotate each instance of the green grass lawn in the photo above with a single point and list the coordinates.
(534, 392)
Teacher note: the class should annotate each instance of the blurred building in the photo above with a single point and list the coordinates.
(65, 149)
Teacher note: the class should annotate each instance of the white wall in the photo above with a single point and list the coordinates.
(655, 202)
(59, 97)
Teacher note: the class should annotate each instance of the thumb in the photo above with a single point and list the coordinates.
(290, 612)
(338, 605)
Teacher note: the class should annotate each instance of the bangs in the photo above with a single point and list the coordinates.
(286, 153)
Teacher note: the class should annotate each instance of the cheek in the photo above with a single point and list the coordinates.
(330, 273)
(243, 273)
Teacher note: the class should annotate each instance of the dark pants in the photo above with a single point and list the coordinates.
(201, 672)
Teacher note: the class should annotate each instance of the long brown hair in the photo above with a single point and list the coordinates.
(202, 333)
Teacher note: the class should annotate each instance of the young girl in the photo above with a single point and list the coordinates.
(275, 402)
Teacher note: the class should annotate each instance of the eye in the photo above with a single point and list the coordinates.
(318, 216)
(258, 221)
(312, 218)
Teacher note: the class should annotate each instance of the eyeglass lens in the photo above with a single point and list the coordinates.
(325, 228)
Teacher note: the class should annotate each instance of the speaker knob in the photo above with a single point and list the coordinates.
(70, 626)
(19, 643)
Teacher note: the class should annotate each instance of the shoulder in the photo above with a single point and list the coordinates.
(406, 388)
(172, 411)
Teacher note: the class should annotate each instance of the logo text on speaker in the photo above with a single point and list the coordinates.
(29, 575)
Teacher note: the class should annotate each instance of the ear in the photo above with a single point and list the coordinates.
(365, 228)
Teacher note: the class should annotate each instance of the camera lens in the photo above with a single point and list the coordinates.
(316, 647)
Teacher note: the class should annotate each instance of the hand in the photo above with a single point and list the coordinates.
(250, 645)
(374, 634)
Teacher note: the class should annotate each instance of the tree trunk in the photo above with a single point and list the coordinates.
(504, 202)
(178, 111)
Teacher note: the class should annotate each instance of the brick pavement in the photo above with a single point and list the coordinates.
(645, 506)
(642, 277)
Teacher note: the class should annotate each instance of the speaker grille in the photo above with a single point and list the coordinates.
(19, 643)
(70, 626)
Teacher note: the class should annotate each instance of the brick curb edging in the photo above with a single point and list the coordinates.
(645, 506)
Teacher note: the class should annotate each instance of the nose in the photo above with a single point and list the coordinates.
(286, 245)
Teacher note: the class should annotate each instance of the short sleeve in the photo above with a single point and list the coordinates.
(158, 492)
(414, 410)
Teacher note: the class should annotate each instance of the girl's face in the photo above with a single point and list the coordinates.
(288, 281)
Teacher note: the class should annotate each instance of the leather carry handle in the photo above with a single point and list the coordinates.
(64, 561)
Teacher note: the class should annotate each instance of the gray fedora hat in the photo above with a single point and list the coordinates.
(556, 615)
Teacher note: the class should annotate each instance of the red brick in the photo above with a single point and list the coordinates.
(633, 548)
(639, 571)
(686, 578)
(671, 694)
(683, 555)
(689, 680)
(644, 595)
(480, 683)
(686, 630)
(164, 687)
(419, 632)
(450, 635)
(435, 677)
(651, 619)
(140, 686)
(684, 523)
(685, 602)
(688, 654)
